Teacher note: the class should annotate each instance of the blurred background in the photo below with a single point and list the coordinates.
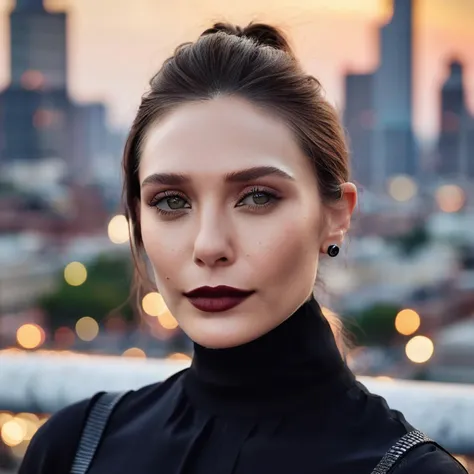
(400, 72)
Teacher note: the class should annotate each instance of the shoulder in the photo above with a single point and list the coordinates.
(62, 432)
(429, 459)
(388, 426)
(59, 434)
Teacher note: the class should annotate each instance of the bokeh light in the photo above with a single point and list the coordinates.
(43, 118)
(64, 337)
(4, 417)
(179, 356)
(115, 324)
(135, 352)
(384, 378)
(32, 80)
(13, 432)
(19, 450)
(118, 229)
(30, 336)
(402, 188)
(153, 304)
(167, 320)
(419, 349)
(407, 322)
(450, 198)
(75, 273)
(87, 328)
(16, 431)
(31, 422)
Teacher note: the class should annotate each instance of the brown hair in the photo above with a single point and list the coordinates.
(257, 64)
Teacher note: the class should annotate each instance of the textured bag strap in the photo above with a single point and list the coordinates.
(405, 444)
(94, 428)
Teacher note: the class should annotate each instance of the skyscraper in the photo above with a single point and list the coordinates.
(470, 149)
(35, 125)
(455, 122)
(394, 142)
(29, 5)
(359, 118)
(36, 107)
(38, 119)
(38, 46)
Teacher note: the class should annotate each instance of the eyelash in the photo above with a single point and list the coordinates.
(273, 197)
(166, 194)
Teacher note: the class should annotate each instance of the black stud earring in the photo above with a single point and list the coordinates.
(333, 250)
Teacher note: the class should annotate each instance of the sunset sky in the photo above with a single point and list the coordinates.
(116, 45)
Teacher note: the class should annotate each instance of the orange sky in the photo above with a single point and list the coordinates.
(116, 45)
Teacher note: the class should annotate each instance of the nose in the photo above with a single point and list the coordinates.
(213, 245)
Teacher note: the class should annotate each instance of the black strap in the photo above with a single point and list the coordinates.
(93, 430)
(103, 407)
(404, 445)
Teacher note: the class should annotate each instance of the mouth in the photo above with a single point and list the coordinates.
(217, 299)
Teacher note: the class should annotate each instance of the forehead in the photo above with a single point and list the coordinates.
(220, 135)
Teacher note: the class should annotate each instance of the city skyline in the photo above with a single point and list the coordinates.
(130, 32)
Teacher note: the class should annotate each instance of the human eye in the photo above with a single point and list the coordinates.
(257, 199)
(170, 203)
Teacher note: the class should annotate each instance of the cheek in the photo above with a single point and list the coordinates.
(284, 248)
(161, 246)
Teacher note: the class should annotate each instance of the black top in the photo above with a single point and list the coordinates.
(285, 403)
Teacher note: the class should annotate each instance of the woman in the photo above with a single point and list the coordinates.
(236, 181)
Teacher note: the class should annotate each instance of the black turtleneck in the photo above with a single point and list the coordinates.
(285, 404)
(296, 362)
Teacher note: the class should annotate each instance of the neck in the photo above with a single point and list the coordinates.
(299, 354)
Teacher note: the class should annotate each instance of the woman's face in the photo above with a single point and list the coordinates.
(228, 199)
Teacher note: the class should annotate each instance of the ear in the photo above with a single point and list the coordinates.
(338, 217)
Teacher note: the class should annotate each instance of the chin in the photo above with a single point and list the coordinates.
(220, 341)
(216, 337)
(223, 330)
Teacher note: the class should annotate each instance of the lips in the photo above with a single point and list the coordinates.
(217, 299)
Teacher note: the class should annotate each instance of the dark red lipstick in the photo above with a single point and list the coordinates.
(217, 299)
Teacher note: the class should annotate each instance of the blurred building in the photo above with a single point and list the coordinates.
(38, 119)
(470, 145)
(64, 214)
(379, 106)
(359, 118)
(36, 124)
(88, 121)
(38, 43)
(456, 143)
(452, 360)
(393, 90)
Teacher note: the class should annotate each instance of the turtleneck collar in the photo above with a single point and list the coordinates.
(297, 358)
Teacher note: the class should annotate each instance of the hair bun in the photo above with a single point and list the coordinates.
(261, 33)
(267, 35)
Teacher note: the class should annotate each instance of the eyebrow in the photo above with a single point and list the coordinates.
(242, 176)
